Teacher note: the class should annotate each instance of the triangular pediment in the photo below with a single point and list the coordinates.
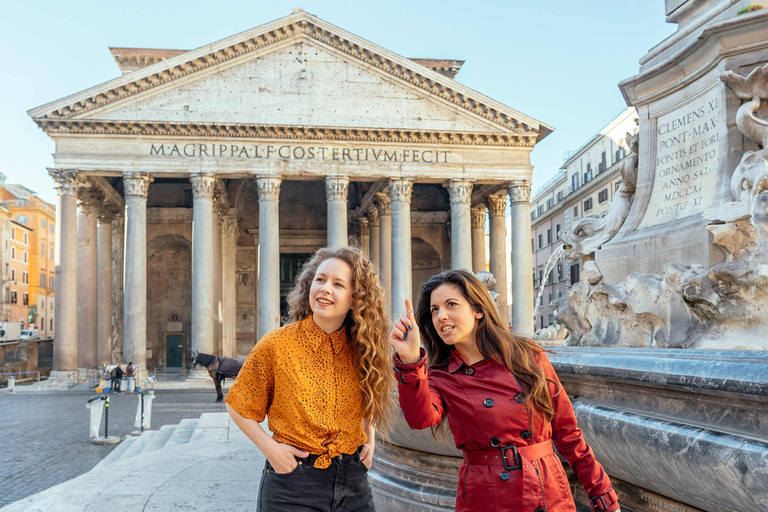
(296, 71)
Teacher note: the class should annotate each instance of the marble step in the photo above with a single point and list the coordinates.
(138, 446)
(183, 432)
(117, 452)
(160, 439)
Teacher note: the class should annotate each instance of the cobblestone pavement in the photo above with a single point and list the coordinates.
(44, 437)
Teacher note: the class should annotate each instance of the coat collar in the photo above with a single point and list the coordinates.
(317, 336)
(456, 362)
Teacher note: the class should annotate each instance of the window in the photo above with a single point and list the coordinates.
(550, 276)
(14, 298)
(550, 299)
(551, 320)
(51, 324)
(42, 322)
(587, 204)
(575, 273)
(50, 304)
(541, 277)
(13, 275)
(22, 219)
(542, 322)
(533, 246)
(42, 280)
(26, 257)
(541, 209)
(619, 154)
(51, 281)
(559, 196)
(603, 165)
(42, 223)
(50, 226)
(26, 299)
(533, 214)
(550, 203)
(588, 174)
(534, 279)
(549, 236)
(42, 248)
(602, 196)
(618, 184)
(576, 211)
(51, 247)
(541, 241)
(13, 253)
(25, 278)
(557, 232)
(574, 181)
(13, 233)
(559, 272)
(26, 240)
(559, 293)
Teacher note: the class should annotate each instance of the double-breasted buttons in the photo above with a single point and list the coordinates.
(504, 475)
(495, 442)
(525, 434)
(519, 398)
(488, 402)
(470, 371)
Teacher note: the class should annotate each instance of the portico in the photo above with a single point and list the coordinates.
(228, 164)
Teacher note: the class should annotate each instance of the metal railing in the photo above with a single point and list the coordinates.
(170, 373)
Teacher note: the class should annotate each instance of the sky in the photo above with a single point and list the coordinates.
(558, 61)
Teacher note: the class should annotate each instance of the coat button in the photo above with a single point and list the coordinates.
(495, 442)
(488, 402)
(525, 434)
(519, 398)
(470, 371)
(504, 475)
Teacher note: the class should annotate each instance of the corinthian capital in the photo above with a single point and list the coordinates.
(202, 185)
(88, 197)
(107, 212)
(384, 203)
(478, 217)
(229, 226)
(269, 188)
(460, 190)
(520, 191)
(496, 204)
(400, 190)
(373, 216)
(67, 181)
(336, 188)
(364, 228)
(136, 184)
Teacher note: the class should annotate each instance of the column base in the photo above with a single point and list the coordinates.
(61, 379)
(197, 375)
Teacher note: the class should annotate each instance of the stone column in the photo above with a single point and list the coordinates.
(365, 236)
(218, 311)
(256, 257)
(229, 299)
(87, 279)
(402, 270)
(136, 186)
(385, 246)
(478, 239)
(118, 258)
(498, 251)
(65, 255)
(107, 213)
(269, 254)
(336, 198)
(373, 223)
(202, 263)
(461, 226)
(522, 257)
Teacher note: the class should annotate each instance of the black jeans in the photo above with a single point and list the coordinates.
(342, 487)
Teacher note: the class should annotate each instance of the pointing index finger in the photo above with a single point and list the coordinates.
(409, 309)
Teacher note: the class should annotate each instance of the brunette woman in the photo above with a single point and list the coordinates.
(503, 401)
(325, 383)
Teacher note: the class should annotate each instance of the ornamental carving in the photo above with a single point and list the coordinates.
(229, 226)
(460, 191)
(384, 203)
(136, 184)
(400, 190)
(520, 191)
(107, 212)
(67, 181)
(202, 185)
(269, 188)
(285, 132)
(307, 26)
(373, 216)
(478, 218)
(365, 230)
(496, 204)
(88, 197)
(336, 188)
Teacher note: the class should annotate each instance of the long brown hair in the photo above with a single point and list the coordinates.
(493, 340)
(367, 323)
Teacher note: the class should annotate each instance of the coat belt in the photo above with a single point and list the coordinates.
(494, 457)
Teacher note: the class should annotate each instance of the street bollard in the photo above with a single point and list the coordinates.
(143, 412)
(97, 404)
(12, 385)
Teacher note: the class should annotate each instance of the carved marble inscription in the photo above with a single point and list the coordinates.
(687, 152)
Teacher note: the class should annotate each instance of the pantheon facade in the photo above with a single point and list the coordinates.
(192, 187)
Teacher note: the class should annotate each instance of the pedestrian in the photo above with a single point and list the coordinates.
(501, 397)
(130, 373)
(325, 382)
(117, 376)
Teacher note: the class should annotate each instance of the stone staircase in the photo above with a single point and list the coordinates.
(178, 467)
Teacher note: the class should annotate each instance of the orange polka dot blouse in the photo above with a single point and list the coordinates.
(307, 383)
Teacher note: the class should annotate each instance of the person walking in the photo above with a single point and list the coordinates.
(117, 377)
(325, 383)
(501, 397)
(130, 374)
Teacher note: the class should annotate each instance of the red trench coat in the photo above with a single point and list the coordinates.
(486, 412)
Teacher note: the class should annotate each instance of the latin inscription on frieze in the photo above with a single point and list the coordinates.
(687, 152)
(295, 152)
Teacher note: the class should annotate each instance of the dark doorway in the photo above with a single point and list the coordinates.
(290, 266)
(174, 349)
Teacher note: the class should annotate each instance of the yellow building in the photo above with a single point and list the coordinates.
(5, 263)
(19, 272)
(36, 218)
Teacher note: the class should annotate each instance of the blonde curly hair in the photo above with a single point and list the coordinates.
(367, 323)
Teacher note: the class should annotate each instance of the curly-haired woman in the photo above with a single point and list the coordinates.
(504, 403)
(325, 382)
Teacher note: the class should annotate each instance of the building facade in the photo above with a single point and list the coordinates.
(583, 187)
(19, 273)
(205, 178)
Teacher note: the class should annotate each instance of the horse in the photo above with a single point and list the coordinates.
(219, 368)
